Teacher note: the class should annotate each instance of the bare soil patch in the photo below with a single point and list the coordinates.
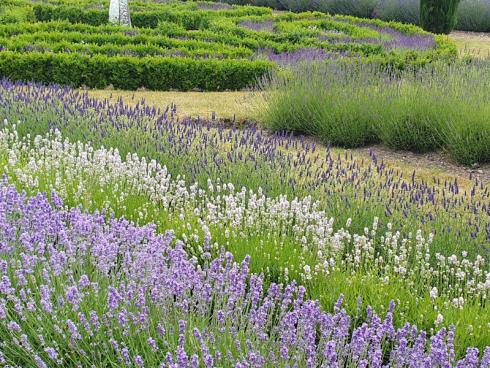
(438, 163)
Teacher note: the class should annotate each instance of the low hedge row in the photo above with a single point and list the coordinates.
(182, 46)
(21, 45)
(141, 44)
(220, 38)
(190, 17)
(154, 73)
(111, 40)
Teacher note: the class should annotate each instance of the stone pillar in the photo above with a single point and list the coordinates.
(119, 13)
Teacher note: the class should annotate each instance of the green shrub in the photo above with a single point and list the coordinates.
(223, 38)
(73, 14)
(156, 73)
(11, 15)
(338, 111)
(474, 15)
(189, 30)
(438, 16)
(145, 18)
(406, 125)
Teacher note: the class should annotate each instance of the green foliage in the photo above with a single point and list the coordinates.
(472, 15)
(44, 13)
(201, 30)
(320, 107)
(438, 16)
(279, 165)
(148, 16)
(155, 73)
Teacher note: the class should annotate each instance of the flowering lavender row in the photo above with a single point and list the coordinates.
(289, 240)
(389, 38)
(349, 39)
(457, 212)
(301, 55)
(395, 39)
(258, 26)
(79, 289)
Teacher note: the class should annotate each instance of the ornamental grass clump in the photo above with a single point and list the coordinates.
(78, 288)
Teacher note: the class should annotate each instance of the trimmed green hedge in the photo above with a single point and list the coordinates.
(95, 17)
(154, 73)
(195, 45)
(187, 15)
(44, 13)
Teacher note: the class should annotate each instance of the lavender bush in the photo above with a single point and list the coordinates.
(78, 288)
(426, 109)
(393, 39)
(301, 55)
(280, 198)
(258, 160)
(406, 11)
(474, 15)
(360, 8)
(258, 26)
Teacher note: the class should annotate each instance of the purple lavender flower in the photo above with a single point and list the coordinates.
(274, 326)
(267, 26)
(52, 353)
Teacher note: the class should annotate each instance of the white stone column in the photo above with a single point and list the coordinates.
(119, 13)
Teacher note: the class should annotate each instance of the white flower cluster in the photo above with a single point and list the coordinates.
(294, 234)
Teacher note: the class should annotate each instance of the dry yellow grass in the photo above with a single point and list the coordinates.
(472, 43)
(225, 105)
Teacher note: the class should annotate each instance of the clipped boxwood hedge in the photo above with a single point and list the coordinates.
(154, 73)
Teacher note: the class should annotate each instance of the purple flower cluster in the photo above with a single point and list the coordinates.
(362, 189)
(389, 38)
(302, 55)
(214, 6)
(398, 40)
(78, 287)
(267, 25)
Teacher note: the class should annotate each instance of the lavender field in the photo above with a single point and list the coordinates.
(128, 258)
(134, 236)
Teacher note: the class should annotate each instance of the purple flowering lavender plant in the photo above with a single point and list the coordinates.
(77, 287)
(220, 202)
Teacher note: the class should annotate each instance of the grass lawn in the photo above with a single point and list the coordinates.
(226, 105)
(472, 43)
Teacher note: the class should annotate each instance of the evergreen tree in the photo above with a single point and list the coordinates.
(438, 16)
